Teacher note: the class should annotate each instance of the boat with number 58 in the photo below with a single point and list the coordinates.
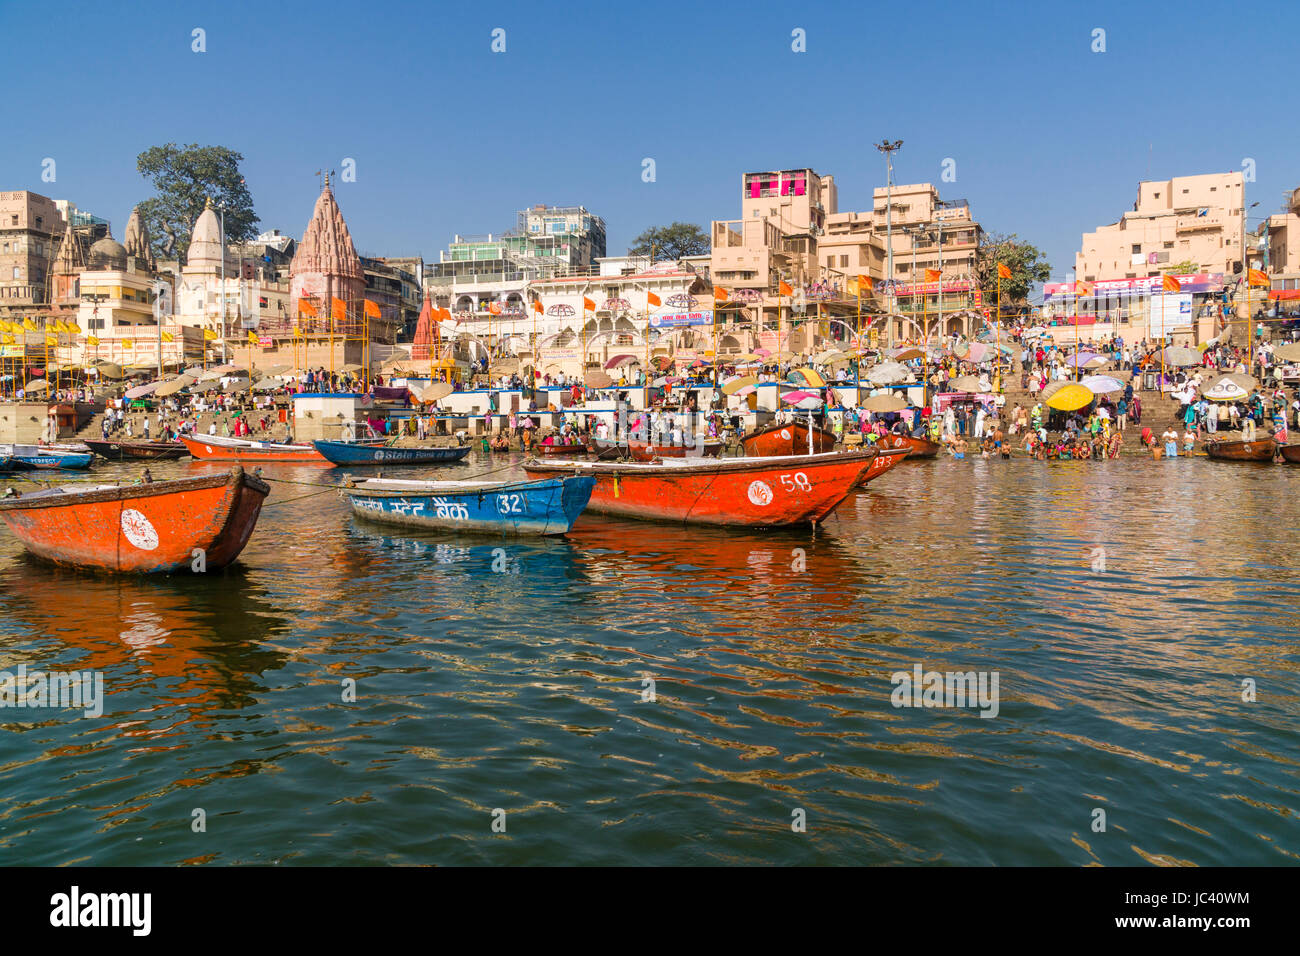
(545, 507)
(749, 492)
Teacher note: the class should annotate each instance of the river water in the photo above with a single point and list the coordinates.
(647, 694)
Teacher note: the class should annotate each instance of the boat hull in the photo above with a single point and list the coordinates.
(64, 461)
(157, 527)
(142, 450)
(1263, 449)
(919, 447)
(757, 493)
(789, 439)
(886, 458)
(1290, 453)
(253, 452)
(649, 451)
(351, 453)
(570, 450)
(546, 507)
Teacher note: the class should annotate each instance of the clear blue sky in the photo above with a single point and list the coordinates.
(1049, 138)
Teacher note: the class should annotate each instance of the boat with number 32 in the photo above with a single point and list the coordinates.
(544, 507)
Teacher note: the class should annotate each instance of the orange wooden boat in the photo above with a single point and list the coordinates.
(919, 447)
(749, 492)
(1263, 449)
(159, 526)
(886, 458)
(1290, 453)
(572, 449)
(788, 439)
(219, 448)
(649, 451)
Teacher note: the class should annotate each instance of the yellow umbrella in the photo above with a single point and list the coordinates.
(811, 377)
(1071, 398)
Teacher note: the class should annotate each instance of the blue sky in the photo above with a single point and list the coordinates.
(1049, 138)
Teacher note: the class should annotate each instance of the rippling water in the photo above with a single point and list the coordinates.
(1120, 690)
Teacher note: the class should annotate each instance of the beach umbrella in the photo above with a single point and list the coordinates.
(1290, 352)
(745, 390)
(436, 391)
(797, 396)
(745, 357)
(110, 370)
(597, 379)
(268, 384)
(205, 386)
(762, 353)
(889, 373)
(239, 385)
(273, 370)
(1102, 384)
(733, 386)
(619, 361)
(37, 385)
(140, 391)
(885, 402)
(1071, 397)
(1226, 390)
(174, 385)
(906, 354)
(351, 367)
(224, 369)
(1242, 380)
(968, 383)
(806, 376)
(828, 356)
(1081, 359)
(1180, 357)
(976, 352)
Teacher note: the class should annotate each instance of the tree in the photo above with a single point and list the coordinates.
(1024, 259)
(184, 177)
(1186, 267)
(673, 242)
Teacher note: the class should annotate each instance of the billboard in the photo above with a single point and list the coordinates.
(1170, 312)
(681, 319)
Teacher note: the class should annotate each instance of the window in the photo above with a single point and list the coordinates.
(1169, 245)
(844, 262)
(1137, 248)
(1214, 189)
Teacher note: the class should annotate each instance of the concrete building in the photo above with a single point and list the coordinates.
(30, 228)
(792, 231)
(394, 284)
(1277, 240)
(1187, 226)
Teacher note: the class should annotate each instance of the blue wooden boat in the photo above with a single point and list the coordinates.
(361, 453)
(31, 457)
(548, 506)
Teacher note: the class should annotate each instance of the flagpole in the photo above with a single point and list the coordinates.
(997, 328)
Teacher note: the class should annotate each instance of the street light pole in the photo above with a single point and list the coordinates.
(888, 148)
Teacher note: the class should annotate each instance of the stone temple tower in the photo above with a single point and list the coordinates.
(326, 264)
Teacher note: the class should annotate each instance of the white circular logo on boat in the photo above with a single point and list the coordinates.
(208, 449)
(138, 530)
(760, 494)
(379, 456)
(785, 433)
(650, 449)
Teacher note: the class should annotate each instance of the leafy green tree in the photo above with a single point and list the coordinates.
(183, 178)
(1025, 261)
(671, 242)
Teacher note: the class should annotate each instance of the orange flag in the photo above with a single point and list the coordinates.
(784, 289)
(306, 307)
(1082, 288)
(494, 308)
(588, 304)
(537, 306)
(865, 284)
(1170, 284)
(653, 299)
(721, 294)
(372, 310)
(1258, 277)
(931, 275)
(1003, 271)
(340, 309)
